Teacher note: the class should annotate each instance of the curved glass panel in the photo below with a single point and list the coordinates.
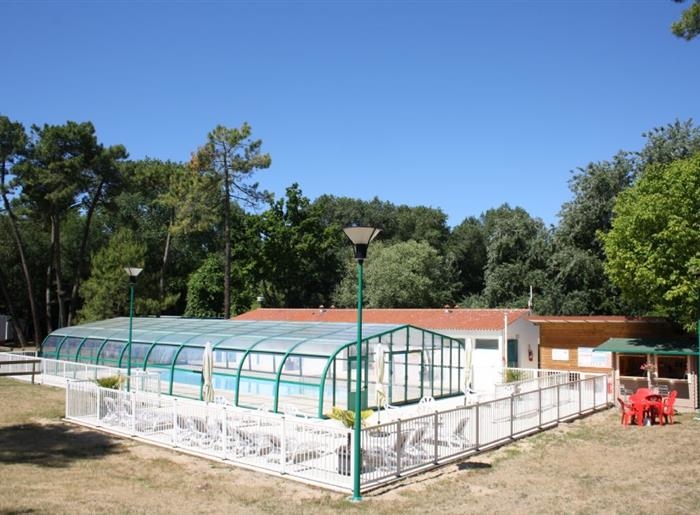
(88, 352)
(190, 357)
(162, 355)
(69, 348)
(138, 354)
(50, 345)
(110, 353)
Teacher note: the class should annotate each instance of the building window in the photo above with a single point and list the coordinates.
(631, 365)
(486, 344)
(672, 367)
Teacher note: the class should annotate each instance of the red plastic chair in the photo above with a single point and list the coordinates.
(655, 403)
(639, 405)
(628, 412)
(668, 406)
(643, 392)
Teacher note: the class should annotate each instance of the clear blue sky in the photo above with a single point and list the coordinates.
(457, 105)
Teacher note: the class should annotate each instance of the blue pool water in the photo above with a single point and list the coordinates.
(250, 385)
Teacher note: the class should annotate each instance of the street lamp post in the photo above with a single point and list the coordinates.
(361, 237)
(133, 274)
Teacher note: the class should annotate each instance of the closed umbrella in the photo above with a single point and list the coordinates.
(207, 372)
(379, 392)
(466, 387)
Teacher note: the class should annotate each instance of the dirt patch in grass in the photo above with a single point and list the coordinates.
(592, 465)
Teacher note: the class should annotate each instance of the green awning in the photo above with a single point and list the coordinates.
(669, 346)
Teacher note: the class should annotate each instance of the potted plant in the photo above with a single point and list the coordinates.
(650, 370)
(112, 382)
(347, 418)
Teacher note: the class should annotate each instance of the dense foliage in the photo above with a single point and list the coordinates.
(74, 212)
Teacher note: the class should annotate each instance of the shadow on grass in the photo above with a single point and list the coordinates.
(471, 465)
(52, 445)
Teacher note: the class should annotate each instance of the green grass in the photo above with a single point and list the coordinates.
(591, 465)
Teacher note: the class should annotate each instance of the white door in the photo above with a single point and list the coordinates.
(486, 365)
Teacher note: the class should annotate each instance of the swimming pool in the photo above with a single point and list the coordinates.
(248, 385)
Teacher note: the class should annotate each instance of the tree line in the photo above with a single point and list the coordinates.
(75, 212)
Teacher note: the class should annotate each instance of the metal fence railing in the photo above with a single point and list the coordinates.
(56, 372)
(519, 380)
(399, 447)
(298, 447)
(320, 451)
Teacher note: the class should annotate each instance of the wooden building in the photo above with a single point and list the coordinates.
(623, 347)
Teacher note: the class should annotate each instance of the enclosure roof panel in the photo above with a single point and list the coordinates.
(311, 338)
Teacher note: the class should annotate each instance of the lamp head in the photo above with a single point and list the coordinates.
(132, 273)
(361, 236)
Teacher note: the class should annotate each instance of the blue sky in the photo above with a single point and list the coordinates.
(457, 105)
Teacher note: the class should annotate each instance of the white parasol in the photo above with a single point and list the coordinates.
(207, 372)
(466, 386)
(379, 392)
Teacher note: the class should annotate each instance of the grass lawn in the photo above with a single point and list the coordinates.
(592, 465)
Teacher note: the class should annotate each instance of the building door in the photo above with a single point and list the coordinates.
(513, 353)
(486, 364)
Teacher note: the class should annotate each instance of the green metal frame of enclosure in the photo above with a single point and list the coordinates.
(421, 362)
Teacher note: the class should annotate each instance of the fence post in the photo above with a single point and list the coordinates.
(173, 434)
(512, 414)
(399, 451)
(99, 403)
(224, 428)
(539, 407)
(477, 435)
(558, 402)
(580, 396)
(133, 413)
(436, 421)
(283, 446)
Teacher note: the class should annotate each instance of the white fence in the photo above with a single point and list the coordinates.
(56, 372)
(520, 380)
(400, 447)
(297, 447)
(320, 452)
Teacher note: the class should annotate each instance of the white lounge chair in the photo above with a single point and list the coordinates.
(407, 449)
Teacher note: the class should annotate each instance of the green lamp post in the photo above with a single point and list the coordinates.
(133, 274)
(361, 237)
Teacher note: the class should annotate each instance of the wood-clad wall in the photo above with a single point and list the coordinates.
(572, 335)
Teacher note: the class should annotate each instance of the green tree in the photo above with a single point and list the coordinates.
(398, 223)
(576, 284)
(516, 250)
(653, 248)
(298, 264)
(106, 291)
(205, 292)
(467, 248)
(100, 178)
(406, 274)
(232, 156)
(65, 165)
(688, 27)
(205, 296)
(676, 140)
(13, 143)
(173, 209)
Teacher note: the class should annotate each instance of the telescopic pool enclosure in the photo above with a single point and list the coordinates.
(292, 367)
